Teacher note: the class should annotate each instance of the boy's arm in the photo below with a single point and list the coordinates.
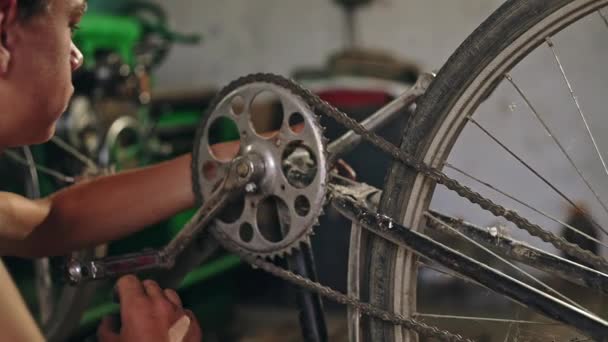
(16, 322)
(96, 211)
(100, 210)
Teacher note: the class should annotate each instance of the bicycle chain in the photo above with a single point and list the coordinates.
(338, 297)
(320, 106)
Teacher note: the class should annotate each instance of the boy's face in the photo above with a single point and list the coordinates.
(43, 58)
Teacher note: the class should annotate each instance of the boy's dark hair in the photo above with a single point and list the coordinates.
(29, 8)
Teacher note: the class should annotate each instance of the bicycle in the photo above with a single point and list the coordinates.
(290, 170)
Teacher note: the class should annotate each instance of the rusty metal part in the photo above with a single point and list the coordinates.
(295, 177)
(78, 271)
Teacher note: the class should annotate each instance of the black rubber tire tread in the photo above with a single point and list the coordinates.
(496, 33)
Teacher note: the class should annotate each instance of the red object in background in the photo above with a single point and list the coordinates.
(343, 98)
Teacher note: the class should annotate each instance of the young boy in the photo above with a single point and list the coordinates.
(37, 58)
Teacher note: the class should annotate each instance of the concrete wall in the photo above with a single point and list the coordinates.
(279, 35)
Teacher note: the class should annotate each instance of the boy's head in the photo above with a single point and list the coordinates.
(37, 58)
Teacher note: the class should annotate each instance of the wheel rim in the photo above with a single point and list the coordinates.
(437, 151)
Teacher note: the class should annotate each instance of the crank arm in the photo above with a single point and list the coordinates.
(347, 142)
(240, 173)
(110, 267)
(148, 260)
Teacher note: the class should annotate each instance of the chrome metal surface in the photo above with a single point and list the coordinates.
(295, 170)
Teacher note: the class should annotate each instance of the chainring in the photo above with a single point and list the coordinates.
(278, 213)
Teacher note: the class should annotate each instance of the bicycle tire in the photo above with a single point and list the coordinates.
(387, 275)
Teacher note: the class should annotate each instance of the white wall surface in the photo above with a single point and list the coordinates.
(244, 36)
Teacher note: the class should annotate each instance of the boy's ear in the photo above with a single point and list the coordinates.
(8, 17)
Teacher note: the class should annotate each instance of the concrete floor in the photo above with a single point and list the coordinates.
(273, 317)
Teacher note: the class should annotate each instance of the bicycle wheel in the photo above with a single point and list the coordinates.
(387, 275)
(58, 306)
(55, 305)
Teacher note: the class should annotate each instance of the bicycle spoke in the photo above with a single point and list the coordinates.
(449, 273)
(538, 211)
(507, 262)
(603, 16)
(536, 173)
(59, 176)
(559, 145)
(569, 270)
(43, 282)
(486, 319)
(34, 190)
(74, 152)
(526, 254)
(574, 98)
(454, 275)
(50, 172)
(489, 277)
(508, 332)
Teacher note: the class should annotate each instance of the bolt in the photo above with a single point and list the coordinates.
(250, 187)
(243, 169)
(75, 271)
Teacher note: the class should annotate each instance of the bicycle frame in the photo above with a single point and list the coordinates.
(352, 200)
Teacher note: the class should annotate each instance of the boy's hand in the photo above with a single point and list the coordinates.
(148, 313)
